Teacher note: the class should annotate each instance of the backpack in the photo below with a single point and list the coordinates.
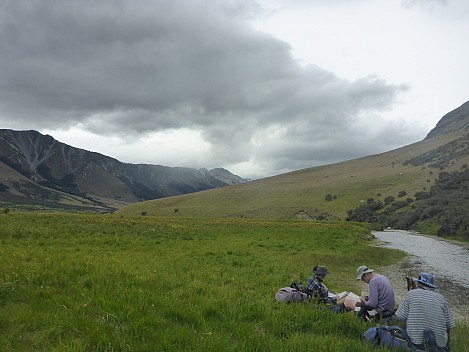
(392, 337)
(290, 294)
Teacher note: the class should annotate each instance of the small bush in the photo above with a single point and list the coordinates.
(388, 200)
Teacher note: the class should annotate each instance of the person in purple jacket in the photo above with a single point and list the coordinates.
(381, 294)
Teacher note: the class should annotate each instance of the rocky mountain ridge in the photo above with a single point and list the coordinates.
(455, 120)
(38, 167)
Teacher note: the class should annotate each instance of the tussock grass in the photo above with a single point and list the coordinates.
(105, 283)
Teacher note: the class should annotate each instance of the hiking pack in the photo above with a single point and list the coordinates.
(294, 293)
(395, 338)
(392, 337)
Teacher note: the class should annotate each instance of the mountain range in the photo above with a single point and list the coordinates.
(423, 186)
(37, 170)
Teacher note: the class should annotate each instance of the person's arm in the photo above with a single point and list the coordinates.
(323, 293)
(447, 342)
(309, 287)
(372, 301)
(402, 312)
(449, 317)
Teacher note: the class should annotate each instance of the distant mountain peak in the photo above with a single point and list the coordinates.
(226, 176)
(456, 120)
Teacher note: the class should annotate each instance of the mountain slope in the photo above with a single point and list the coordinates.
(328, 192)
(454, 121)
(38, 167)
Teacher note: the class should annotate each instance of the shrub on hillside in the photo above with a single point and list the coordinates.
(388, 200)
(445, 205)
(367, 212)
(422, 195)
(395, 206)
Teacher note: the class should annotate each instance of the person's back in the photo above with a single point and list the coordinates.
(381, 294)
(423, 308)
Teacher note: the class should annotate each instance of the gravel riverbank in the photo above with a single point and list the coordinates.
(450, 270)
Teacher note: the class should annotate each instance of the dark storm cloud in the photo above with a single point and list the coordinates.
(81, 58)
(133, 67)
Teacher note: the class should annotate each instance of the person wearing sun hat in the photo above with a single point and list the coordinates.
(424, 308)
(316, 287)
(427, 280)
(381, 294)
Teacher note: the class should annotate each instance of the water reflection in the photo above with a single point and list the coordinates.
(448, 261)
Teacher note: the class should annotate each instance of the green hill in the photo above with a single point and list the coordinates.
(325, 192)
(423, 186)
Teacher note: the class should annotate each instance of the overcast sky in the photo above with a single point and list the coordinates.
(257, 87)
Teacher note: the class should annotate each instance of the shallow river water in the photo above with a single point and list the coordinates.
(448, 261)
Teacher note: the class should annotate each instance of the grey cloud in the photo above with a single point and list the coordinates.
(73, 58)
(129, 68)
(291, 152)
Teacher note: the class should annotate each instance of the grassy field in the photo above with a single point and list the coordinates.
(107, 283)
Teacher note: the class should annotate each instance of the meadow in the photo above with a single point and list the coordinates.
(76, 282)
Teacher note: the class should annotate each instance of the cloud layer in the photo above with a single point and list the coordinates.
(128, 69)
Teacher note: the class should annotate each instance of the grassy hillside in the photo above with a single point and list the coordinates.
(105, 283)
(303, 193)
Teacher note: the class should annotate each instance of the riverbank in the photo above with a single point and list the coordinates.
(447, 260)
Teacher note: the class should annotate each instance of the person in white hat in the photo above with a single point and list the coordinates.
(381, 294)
(423, 308)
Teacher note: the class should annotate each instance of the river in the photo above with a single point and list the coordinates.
(448, 261)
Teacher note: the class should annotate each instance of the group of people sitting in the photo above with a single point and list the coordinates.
(422, 308)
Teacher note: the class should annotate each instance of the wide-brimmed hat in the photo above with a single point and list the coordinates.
(363, 270)
(425, 279)
(321, 270)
